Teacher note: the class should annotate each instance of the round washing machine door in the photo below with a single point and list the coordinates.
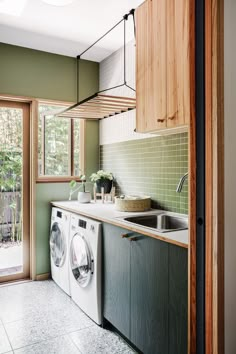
(57, 244)
(81, 260)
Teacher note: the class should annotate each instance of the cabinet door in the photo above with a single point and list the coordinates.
(149, 295)
(178, 62)
(116, 267)
(178, 300)
(162, 64)
(151, 66)
(159, 64)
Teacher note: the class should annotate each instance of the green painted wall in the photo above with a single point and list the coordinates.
(45, 193)
(34, 73)
(27, 72)
(92, 148)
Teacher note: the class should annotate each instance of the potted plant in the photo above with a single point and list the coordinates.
(102, 179)
(83, 195)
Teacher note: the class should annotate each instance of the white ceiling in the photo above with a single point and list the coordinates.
(66, 30)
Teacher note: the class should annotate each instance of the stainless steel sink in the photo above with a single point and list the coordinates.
(160, 222)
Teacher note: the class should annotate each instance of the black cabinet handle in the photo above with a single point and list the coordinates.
(133, 239)
(138, 237)
(129, 234)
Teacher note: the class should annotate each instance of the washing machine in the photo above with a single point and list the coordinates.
(59, 248)
(85, 266)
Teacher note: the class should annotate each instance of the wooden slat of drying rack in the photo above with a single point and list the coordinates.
(98, 106)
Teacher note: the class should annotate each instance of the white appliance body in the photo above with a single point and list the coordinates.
(59, 248)
(86, 265)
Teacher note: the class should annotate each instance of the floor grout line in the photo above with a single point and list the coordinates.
(48, 339)
(80, 329)
(16, 282)
(38, 316)
(74, 343)
(41, 341)
(7, 336)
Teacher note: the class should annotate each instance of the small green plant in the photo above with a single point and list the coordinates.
(73, 185)
(100, 175)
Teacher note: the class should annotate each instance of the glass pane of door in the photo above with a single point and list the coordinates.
(12, 191)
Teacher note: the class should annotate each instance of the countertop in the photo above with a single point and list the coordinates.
(106, 212)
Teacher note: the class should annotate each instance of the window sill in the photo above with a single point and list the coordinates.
(55, 179)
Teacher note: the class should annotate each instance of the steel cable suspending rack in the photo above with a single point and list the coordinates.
(101, 105)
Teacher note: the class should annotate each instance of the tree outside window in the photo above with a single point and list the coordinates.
(58, 144)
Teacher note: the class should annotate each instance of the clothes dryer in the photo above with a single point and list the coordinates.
(85, 265)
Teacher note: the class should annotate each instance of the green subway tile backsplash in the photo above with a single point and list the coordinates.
(151, 166)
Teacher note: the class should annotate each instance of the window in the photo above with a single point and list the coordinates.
(59, 144)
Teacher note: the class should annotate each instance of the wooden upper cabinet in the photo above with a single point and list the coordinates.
(151, 66)
(178, 68)
(144, 82)
(162, 64)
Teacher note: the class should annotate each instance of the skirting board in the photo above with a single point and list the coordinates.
(44, 276)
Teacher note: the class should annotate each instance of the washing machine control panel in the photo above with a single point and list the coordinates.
(82, 223)
(59, 214)
(89, 226)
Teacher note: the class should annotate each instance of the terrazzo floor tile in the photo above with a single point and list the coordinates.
(74, 320)
(4, 342)
(29, 331)
(60, 345)
(33, 299)
(100, 341)
(40, 318)
(29, 298)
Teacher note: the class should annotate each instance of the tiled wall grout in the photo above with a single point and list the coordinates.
(155, 173)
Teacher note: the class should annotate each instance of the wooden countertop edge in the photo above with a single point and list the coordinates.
(119, 224)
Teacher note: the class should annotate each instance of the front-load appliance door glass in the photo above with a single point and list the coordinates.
(57, 244)
(81, 260)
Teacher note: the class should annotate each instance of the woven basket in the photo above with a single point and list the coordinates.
(133, 204)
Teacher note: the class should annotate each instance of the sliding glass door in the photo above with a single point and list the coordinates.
(14, 190)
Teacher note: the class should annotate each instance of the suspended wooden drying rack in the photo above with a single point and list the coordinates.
(101, 105)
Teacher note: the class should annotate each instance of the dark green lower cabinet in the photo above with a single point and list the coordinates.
(178, 300)
(149, 295)
(116, 289)
(145, 291)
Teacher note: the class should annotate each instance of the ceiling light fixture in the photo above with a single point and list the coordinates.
(12, 7)
(58, 2)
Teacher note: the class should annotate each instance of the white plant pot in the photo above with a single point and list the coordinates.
(84, 197)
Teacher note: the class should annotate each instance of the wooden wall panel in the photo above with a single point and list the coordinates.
(214, 11)
(192, 189)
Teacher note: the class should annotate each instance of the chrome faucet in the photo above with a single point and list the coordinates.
(181, 183)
